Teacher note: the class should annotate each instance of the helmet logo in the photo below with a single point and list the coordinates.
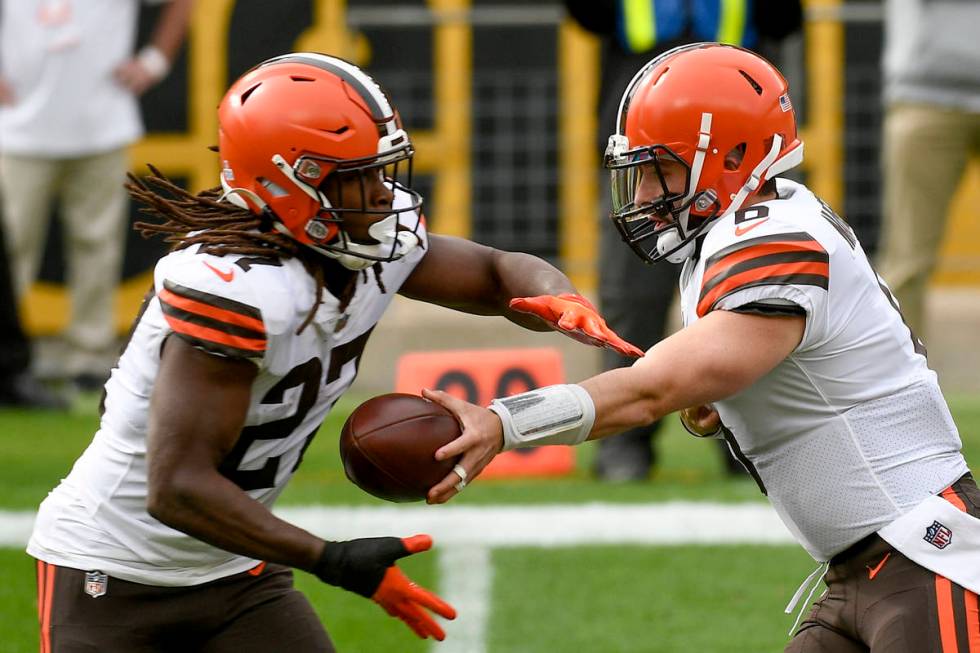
(227, 172)
(784, 103)
(316, 230)
(309, 169)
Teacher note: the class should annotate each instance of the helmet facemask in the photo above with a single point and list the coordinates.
(666, 226)
(386, 239)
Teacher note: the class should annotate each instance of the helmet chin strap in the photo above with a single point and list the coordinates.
(755, 177)
(672, 239)
(358, 256)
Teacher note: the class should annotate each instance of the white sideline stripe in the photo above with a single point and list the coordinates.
(465, 582)
(674, 522)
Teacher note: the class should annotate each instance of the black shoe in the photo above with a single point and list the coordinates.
(25, 391)
(623, 459)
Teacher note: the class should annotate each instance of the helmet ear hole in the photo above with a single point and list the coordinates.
(734, 157)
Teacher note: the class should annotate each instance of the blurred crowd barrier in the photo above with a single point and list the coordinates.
(499, 97)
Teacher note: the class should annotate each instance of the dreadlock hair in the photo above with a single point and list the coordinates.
(221, 228)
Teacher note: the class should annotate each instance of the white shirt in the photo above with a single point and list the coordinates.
(230, 305)
(851, 430)
(58, 56)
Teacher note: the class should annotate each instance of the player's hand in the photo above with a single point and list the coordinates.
(482, 439)
(577, 318)
(366, 566)
(701, 421)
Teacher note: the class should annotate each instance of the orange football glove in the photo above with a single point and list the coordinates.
(366, 567)
(577, 318)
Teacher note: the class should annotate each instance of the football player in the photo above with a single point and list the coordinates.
(161, 538)
(793, 350)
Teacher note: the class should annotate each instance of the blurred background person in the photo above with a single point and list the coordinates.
(931, 129)
(18, 385)
(635, 298)
(69, 84)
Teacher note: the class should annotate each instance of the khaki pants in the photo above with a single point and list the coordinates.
(925, 152)
(94, 215)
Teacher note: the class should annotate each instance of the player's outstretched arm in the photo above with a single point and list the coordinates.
(714, 358)
(525, 289)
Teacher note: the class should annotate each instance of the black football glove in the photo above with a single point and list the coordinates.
(367, 567)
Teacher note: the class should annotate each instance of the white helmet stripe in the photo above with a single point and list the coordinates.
(704, 138)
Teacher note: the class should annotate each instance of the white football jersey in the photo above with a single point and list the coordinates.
(236, 306)
(851, 430)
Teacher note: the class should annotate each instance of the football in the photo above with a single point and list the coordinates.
(389, 442)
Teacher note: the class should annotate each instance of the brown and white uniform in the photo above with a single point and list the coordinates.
(234, 306)
(850, 432)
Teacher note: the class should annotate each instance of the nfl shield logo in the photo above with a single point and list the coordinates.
(938, 535)
(96, 584)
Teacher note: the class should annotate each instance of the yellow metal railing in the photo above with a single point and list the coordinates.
(444, 151)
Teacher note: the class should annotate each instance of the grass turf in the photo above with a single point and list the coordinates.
(623, 598)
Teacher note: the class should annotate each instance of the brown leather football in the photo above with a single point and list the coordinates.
(389, 442)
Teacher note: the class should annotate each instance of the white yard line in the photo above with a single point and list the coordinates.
(675, 522)
(464, 536)
(465, 582)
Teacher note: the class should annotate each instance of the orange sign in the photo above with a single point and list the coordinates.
(479, 375)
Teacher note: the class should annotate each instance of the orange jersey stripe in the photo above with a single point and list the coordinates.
(947, 622)
(950, 495)
(734, 282)
(213, 335)
(257, 569)
(46, 614)
(972, 620)
(755, 251)
(220, 314)
(40, 603)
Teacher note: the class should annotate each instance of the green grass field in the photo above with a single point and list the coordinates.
(589, 598)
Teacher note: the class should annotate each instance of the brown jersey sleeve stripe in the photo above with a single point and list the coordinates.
(172, 311)
(793, 237)
(230, 305)
(784, 274)
(210, 309)
(751, 249)
(723, 270)
(216, 341)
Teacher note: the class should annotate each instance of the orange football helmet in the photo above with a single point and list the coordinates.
(287, 124)
(695, 105)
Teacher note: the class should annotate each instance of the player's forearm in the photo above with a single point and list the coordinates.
(211, 508)
(523, 275)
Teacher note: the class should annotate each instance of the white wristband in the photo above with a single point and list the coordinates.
(554, 414)
(153, 61)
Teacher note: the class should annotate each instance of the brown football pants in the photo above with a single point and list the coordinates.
(879, 601)
(258, 611)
